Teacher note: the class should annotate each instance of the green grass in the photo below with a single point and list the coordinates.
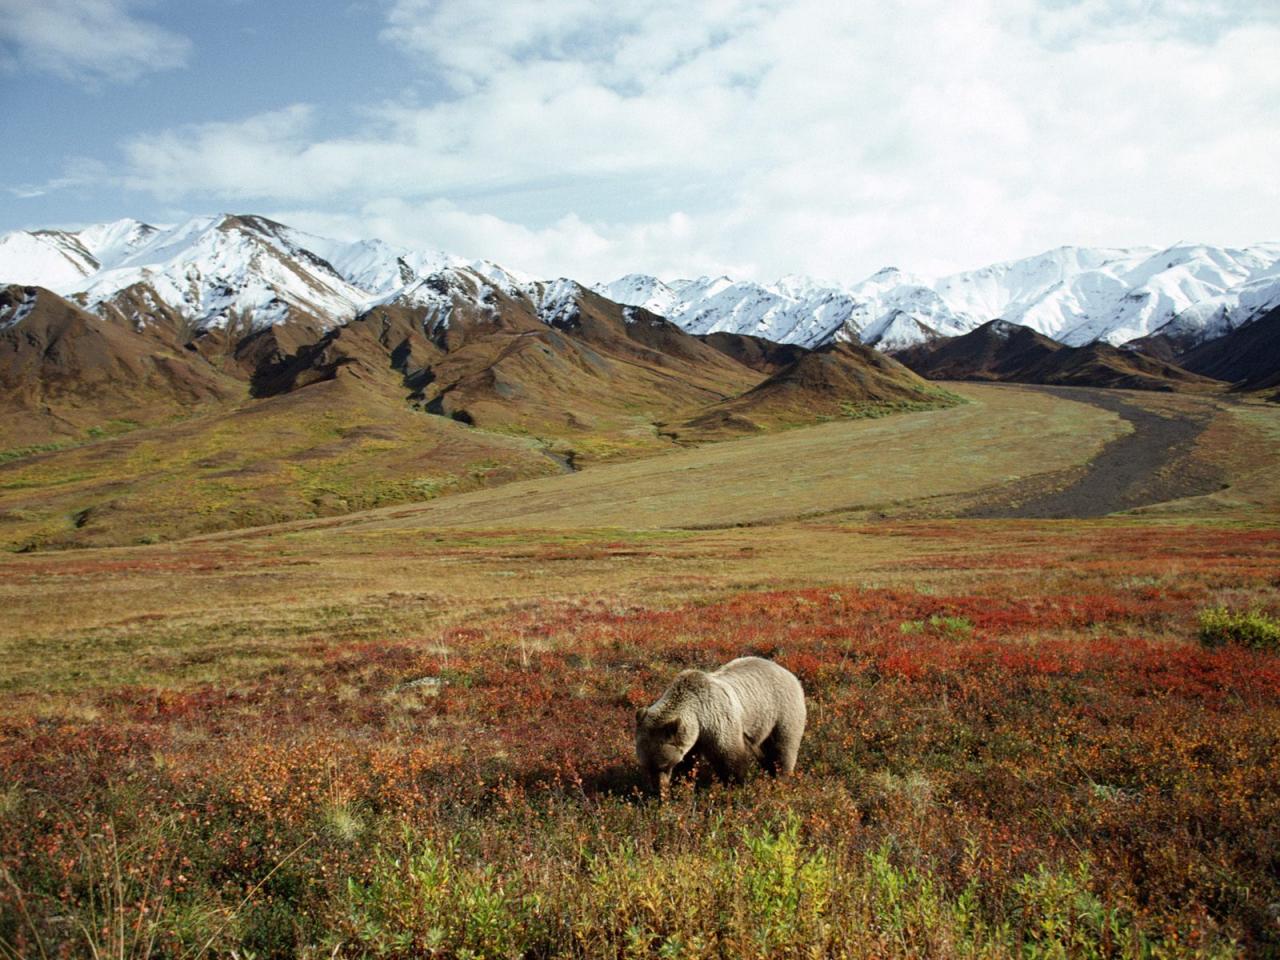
(875, 410)
(112, 428)
(1252, 628)
(958, 628)
(842, 465)
(326, 450)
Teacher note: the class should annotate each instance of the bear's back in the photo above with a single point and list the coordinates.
(761, 684)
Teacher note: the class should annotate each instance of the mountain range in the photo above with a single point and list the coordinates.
(1075, 295)
(248, 273)
(231, 370)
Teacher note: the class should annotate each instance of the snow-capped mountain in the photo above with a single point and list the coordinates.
(250, 272)
(213, 272)
(1073, 294)
(640, 290)
(1217, 315)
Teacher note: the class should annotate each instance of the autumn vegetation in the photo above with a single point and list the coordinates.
(374, 737)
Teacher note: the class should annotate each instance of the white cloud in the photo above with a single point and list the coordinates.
(87, 41)
(676, 245)
(762, 137)
(77, 173)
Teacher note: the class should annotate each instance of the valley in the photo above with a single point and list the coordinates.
(324, 616)
(270, 724)
(749, 480)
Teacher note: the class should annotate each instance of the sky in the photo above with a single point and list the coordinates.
(755, 138)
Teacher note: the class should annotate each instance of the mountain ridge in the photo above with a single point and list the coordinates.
(1008, 352)
(249, 272)
(1073, 294)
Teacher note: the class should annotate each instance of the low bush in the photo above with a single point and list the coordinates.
(1219, 625)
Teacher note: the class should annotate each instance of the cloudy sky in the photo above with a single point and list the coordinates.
(591, 139)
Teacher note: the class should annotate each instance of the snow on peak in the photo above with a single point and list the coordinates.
(640, 290)
(215, 271)
(112, 242)
(1073, 294)
(793, 310)
(248, 269)
(45, 258)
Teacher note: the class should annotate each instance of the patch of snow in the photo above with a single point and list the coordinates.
(558, 302)
(13, 314)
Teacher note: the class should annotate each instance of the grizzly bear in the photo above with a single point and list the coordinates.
(750, 711)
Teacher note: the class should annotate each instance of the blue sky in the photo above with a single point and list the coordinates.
(573, 137)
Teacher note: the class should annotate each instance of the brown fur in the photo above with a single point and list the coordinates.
(749, 712)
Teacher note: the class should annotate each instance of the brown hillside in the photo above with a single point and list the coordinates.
(386, 347)
(594, 380)
(755, 352)
(997, 350)
(1102, 365)
(1248, 357)
(1003, 351)
(64, 371)
(634, 334)
(599, 377)
(841, 379)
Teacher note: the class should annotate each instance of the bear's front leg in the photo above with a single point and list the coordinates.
(733, 765)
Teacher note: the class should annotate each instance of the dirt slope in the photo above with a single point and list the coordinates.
(755, 352)
(64, 371)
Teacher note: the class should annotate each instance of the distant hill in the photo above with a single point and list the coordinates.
(999, 350)
(1248, 356)
(1102, 365)
(842, 379)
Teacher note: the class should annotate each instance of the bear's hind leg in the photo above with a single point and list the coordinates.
(781, 749)
(769, 755)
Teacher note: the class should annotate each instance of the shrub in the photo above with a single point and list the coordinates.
(1255, 629)
(428, 898)
(954, 628)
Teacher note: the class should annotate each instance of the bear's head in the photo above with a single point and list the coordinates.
(661, 743)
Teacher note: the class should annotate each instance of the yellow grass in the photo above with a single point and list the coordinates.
(1001, 435)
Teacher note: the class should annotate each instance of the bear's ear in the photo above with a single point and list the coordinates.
(640, 715)
(671, 731)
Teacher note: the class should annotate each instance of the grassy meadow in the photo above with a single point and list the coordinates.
(407, 732)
